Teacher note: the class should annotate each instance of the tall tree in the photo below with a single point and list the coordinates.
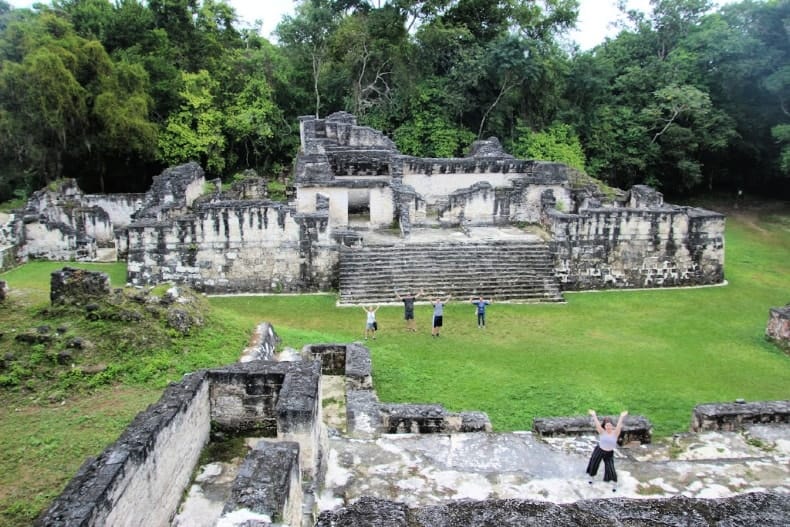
(307, 35)
(67, 109)
(194, 133)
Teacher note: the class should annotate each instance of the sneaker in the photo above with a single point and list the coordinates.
(614, 489)
(589, 482)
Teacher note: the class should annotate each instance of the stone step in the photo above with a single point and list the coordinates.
(510, 271)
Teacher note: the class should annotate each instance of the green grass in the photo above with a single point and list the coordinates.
(657, 353)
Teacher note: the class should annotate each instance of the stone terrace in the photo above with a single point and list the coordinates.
(504, 264)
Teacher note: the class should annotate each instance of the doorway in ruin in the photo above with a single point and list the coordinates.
(359, 208)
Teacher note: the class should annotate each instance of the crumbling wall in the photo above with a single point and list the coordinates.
(77, 286)
(140, 479)
(273, 399)
(763, 509)
(63, 223)
(236, 246)
(778, 328)
(635, 427)
(366, 417)
(8, 257)
(628, 247)
(734, 416)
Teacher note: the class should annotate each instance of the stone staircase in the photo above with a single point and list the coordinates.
(517, 271)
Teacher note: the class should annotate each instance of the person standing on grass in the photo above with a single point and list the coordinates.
(408, 308)
(481, 310)
(438, 314)
(604, 450)
(371, 326)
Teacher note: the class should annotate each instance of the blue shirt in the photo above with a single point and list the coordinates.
(481, 306)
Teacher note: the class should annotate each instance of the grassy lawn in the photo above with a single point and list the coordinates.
(656, 353)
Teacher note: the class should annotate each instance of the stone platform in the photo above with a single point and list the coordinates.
(421, 470)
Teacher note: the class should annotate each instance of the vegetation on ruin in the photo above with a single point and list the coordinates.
(656, 352)
(687, 97)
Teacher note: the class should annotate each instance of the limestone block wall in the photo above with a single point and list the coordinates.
(274, 399)
(249, 246)
(269, 482)
(53, 241)
(529, 208)
(8, 257)
(118, 207)
(734, 416)
(634, 248)
(435, 179)
(140, 479)
(778, 327)
(382, 207)
(481, 204)
(307, 202)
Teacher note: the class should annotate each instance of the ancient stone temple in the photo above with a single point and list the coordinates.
(369, 221)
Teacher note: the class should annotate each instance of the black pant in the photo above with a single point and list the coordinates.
(598, 454)
(481, 319)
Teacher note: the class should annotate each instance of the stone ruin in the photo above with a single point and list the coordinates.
(361, 204)
(778, 328)
(141, 479)
(78, 286)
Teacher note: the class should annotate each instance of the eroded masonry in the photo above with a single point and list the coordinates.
(366, 220)
(398, 465)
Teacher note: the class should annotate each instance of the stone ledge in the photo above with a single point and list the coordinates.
(635, 428)
(733, 416)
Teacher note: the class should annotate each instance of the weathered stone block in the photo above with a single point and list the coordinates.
(78, 286)
(269, 482)
(413, 418)
(778, 328)
(635, 427)
(733, 416)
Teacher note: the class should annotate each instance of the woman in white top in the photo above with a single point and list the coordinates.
(604, 450)
(370, 323)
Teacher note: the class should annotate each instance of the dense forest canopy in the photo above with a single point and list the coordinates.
(686, 98)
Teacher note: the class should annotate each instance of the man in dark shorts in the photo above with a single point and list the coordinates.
(408, 309)
(438, 314)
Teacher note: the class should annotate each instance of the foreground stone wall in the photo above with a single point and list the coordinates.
(139, 479)
(763, 509)
(634, 247)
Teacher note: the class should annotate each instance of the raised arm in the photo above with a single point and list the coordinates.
(620, 422)
(596, 422)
